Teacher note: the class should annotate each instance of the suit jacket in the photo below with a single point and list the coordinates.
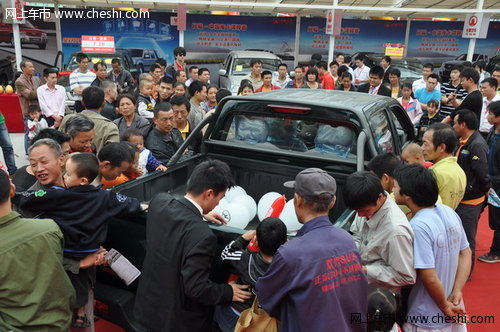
(175, 292)
(105, 131)
(26, 89)
(382, 91)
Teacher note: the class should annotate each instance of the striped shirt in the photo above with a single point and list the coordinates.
(446, 89)
(77, 78)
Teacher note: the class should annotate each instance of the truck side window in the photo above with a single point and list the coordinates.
(381, 131)
(402, 135)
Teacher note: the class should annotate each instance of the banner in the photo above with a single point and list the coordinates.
(213, 36)
(437, 39)
(130, 29)
(443, 40)
(356, 36)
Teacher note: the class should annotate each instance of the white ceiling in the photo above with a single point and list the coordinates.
(396, 8)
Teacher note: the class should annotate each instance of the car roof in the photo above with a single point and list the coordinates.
(354, 101)
(253, 54)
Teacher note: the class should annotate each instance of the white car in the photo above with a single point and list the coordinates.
(237, 65)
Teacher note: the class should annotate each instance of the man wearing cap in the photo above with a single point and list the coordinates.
(318, 274)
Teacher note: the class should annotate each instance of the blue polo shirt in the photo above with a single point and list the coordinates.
(424, 96)
(316, 281)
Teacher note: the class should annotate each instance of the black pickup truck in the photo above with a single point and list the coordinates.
(266, 138)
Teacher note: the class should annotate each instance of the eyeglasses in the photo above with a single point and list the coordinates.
(181, 54)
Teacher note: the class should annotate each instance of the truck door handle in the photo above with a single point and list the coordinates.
(283, 160)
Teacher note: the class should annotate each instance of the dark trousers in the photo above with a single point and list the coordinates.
(494, 221)
(469, 214)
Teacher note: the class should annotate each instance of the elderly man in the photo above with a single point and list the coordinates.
(439, 142)
(26, 86)
(101, 72)
(318, 274)
(105, 131)
(36, 292)
(164, 140)
(81, 130)
(121, 77)
(110, 94)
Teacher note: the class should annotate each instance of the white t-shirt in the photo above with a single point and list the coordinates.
(438, 239)
(484, 125)
(362, 74)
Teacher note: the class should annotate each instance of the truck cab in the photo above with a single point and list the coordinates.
(266, 139)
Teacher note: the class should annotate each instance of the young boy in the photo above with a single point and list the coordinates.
(249, 266)
(431, 117)
(267, 78)
(145, 104)
(81, 211)
(36, 123)
(147, 162)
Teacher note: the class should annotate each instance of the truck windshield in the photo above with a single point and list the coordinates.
(241, 66)
(293, 133)
(95, 58)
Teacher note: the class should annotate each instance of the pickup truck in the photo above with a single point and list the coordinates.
(266, 138)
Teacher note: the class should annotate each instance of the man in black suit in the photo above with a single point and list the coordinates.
(175, 291)
(375, 86)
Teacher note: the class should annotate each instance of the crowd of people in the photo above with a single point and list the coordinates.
(412, 244)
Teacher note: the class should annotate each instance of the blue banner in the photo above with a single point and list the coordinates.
(150, 31)
(210, 35)
(436, 39)
(356, 35)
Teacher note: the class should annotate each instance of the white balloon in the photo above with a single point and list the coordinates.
(265, 203)
(236, 215)
(234, 192)
(289, 217)
(223, 202)
(248, 202)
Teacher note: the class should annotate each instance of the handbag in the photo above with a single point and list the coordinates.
(256, 319)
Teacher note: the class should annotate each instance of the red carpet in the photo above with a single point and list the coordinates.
(481, 295)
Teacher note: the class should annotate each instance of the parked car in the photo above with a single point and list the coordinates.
(237, 64)
(143, 58)
(411, 68)
(29, 34)
(446, 67)
(266, 138)
(494, 63)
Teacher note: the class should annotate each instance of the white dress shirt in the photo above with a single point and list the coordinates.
(52, 101)
(484, 125)
(362, 74)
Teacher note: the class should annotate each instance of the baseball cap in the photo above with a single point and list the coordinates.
(313, 182)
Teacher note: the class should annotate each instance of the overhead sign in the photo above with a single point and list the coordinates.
(98, 44)
(333, 22)
(476, 26)
(13, 11)
(394, 50)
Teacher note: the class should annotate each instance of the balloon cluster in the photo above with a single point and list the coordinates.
(239, 209)
(274, 204)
